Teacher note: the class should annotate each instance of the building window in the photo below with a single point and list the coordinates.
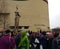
(11, 27)
(26, 27)
(19, 27)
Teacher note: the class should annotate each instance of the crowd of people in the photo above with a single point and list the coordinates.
(29, 40)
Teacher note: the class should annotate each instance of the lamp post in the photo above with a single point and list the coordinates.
(17, 16)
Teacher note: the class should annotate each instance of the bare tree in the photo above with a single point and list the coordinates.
(45, 1)
(3, 12)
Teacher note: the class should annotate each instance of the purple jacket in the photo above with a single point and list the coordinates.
(6, 42)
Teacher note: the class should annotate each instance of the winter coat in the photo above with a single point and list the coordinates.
(56, 43)
(24, 43)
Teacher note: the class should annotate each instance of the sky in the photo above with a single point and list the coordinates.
(54, 13)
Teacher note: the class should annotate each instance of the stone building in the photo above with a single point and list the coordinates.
(34, 15)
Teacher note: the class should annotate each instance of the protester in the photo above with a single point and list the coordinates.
(32, 39)
(56, 42)
(49, 37)
(24, 43)
(6, 41)
(29, 40)
(37, 40)
(43, 39)
(18, 39)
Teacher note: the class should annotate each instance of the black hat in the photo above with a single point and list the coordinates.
(7, 31)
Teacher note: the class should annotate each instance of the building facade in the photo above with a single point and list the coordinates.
(34, 15)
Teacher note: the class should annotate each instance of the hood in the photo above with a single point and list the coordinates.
(23, 32)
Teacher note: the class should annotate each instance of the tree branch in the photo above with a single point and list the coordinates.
(45, 1)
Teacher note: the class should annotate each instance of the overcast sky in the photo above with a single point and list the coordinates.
(54, 13)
